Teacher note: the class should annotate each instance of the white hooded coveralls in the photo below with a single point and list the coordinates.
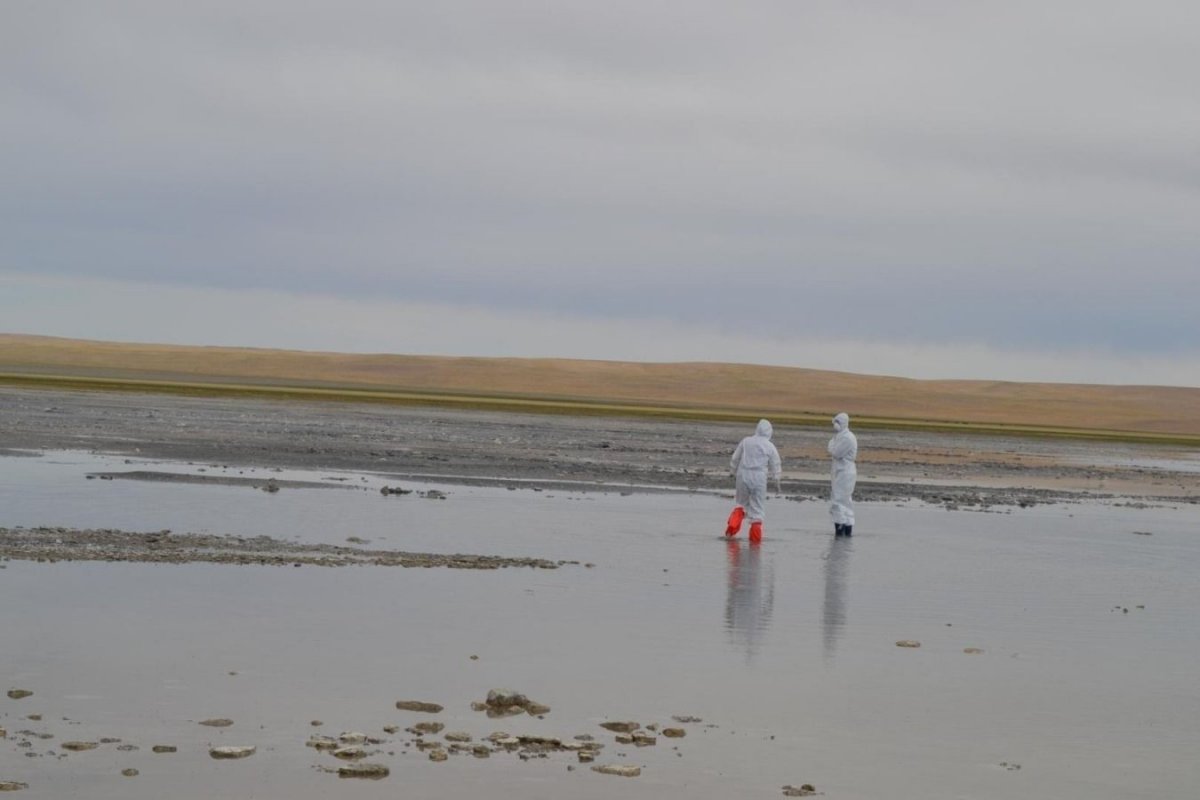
(754, 460)
(843, 448)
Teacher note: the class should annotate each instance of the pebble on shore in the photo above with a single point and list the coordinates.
(242, 751)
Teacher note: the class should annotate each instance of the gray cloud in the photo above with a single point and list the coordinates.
(1013, 174)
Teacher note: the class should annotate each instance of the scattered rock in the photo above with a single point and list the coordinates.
(644, 739)
(438, 754)
(233, 751)
(908, 643)
(458, 736)
(79, 747)
(1142, 533)
(351, 753)
(620, 727)
(506, 702)
(674, 733)
(505, 698)
(418, 705)
(624, 770)
(391, 729)
(316, 723)
(426, 727)
(46, 544)
(18, 694)
(353, 737)
(217, 723)
(164, 748)
(972, 651)
(686, 718)
(807, 790)
(130, 773)
(540, 742)
(128, 748)
(363, 770)
(12, 786)
(586, 756)
(386, 490)
(323, 742)
(34, 717)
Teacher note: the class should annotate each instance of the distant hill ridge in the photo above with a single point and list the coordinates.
(733, 389)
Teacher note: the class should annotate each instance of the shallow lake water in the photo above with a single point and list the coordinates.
(1085, 687)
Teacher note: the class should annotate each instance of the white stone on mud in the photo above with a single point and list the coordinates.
(233, 751)
(624, 770)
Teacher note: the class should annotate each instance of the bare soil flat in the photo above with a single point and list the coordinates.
(705, 389)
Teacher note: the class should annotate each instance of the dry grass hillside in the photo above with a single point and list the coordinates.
(786, 393)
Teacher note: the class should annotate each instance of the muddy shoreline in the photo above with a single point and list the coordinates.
(578, 453)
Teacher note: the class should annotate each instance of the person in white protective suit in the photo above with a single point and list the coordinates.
(754, 460)
(843, 449)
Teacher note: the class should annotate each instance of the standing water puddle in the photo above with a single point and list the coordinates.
(1085, 686)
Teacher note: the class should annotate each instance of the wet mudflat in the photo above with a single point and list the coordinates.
(1056, 654)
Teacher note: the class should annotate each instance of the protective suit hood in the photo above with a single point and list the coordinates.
(841, 422)
(764, 429)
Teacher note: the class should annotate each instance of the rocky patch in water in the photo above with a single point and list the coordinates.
(164, 547)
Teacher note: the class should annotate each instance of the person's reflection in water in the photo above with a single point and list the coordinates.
(751, 596)
(833, 611)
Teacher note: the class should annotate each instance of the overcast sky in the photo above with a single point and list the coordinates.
(933, 189)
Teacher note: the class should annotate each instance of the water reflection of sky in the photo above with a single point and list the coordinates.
(751, 597)
(669, 619)
(833, 607)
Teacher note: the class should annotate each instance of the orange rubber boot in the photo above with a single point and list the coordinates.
(756, 531)
(734, 524)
